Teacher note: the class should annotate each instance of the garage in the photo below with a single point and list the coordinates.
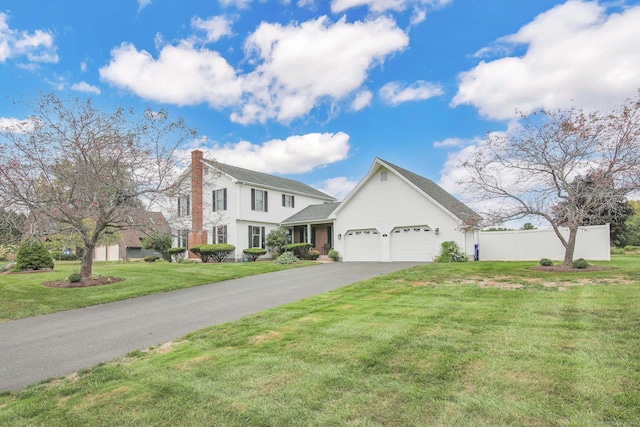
(362, 245)
(415, 243)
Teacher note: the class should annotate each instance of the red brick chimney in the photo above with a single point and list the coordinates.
(197, 235)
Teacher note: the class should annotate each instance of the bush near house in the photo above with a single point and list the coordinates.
(334, 255)
(451, 253)
(313, 255)
(300, 250)
(546, 262)
(254, 253)
(74, 278)
(286, 258)
(218, 252)
(177, 253)
(151, 258)
(580, 263)
(33, 255)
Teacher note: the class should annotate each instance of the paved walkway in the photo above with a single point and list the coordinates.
(41, 347)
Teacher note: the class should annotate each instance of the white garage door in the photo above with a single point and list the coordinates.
(412, 244)
(362, 245)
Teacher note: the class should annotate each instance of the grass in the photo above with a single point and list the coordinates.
(22, 295)
(473, 344)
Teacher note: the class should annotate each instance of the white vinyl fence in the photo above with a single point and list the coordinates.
(592, 243)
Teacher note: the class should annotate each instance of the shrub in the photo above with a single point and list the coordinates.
(74, 278)
(313, 255)
(617, 251)
(546, 262)
(33, 255)
(177, 253)
(450, 252)
(151, 258)
(218, 252)
(300, 250)
(8, 252)
(334, 255)
(159, 242)
(580, 263)
(254, 253)
(276, 240)
(286, 258)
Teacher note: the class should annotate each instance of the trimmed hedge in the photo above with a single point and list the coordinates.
(580, 263)
(546, 262)
(218, 252)
(177, 253)
(254, 253)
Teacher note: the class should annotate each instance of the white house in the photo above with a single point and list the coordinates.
(220, 203)
(391, 215)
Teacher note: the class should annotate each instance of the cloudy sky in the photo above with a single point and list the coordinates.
(315, 90)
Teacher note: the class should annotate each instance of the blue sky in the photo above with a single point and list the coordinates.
(315, 90)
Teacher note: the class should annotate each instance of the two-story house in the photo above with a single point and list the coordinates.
(220, 203)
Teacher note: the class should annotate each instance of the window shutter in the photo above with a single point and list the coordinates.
(188, 205)
(293, 199)
(253, 200)
(283, 197)
(266, 199)
(250, 237)
(313, 236)
(179, 212)
(262, 237)
(224, 196)
(213, 198)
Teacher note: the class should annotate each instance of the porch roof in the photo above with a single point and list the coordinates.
(313, 213)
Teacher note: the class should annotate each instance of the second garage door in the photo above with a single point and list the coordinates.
(412, 244)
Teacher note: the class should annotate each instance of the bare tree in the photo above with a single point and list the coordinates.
(536, 170)
(78, 169)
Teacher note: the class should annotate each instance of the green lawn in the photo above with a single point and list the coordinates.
(22, 295)
(474, 344)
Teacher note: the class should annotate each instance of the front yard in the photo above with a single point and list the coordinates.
(22, 295)
(472, 344)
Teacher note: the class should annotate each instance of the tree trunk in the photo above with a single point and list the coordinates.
(570, 246)
(87, 261)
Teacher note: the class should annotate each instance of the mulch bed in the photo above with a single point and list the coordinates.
(84, 283)
(568, 269)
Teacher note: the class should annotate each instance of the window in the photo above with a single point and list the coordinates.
(220, 234)
(184, 206)
(383, 176)
(259, 200)
(256, 237)
(183, 239)
(288, 201)
(220, 200)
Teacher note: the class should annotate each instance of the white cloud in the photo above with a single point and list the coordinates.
(37, 47)
(362, 100)
(301, 65)
(380, 6)
(418, 15)
(181, 75)
(395, 93)
(240, 4)
(13, 125)
(451, 142)
(143, 3)
(338, 187)
(577, 54)
(295, 155)
(83, 66)
(215, 27)
(85, 87)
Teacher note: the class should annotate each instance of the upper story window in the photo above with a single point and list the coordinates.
(288, 201)
(259, 200)
(383, 176)
(184, 206)
(220, 199)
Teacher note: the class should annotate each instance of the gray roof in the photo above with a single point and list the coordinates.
(266, 180)
(437, 193)
(313, 213)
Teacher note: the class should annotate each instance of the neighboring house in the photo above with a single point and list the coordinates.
(129, 244)
(219, 203)
(391, 215)
(129, 240)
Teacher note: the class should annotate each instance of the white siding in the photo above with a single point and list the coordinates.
(385, 205)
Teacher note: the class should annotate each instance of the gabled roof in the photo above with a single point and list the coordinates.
(270, 181)
(430, 189)
(313, 213)
(437, 193)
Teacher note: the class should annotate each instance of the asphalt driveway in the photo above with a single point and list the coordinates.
(41, 347)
